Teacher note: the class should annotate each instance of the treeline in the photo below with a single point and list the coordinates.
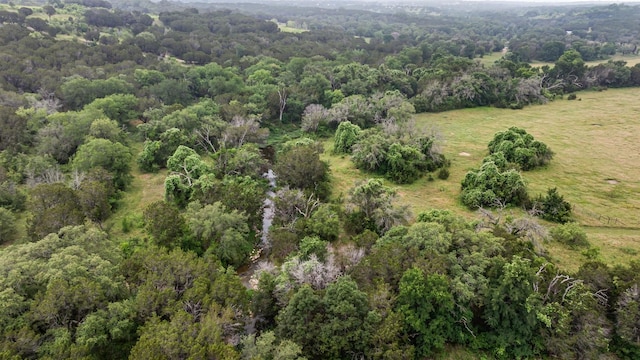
(405, 292)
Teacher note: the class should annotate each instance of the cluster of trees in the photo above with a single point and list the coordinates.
(499, 183)
(406, 293)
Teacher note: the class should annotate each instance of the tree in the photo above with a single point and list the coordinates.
(119, 107)
(7, 225)
(570, 234)
(186, 336)
(111, 156)
(374, 202)
(106, 129)
(346, 136)
(553, 207)
(224, 233)
(313, 116)
(331, 327)
(520, 148)
(265, 347)
(570, 68)
(301, 168)
(489, 186)
(510, 313)
(165, 224)
(49, 10)
(427, 306)
(186, 168)
(52, 207)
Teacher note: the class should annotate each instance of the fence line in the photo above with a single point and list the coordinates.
(604, 219)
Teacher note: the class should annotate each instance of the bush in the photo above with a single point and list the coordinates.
(572, 96)
(554, 207)
(443, 174)
(520, 148)
(313, 245)
(7, 225)
(571, 235)
(489, 186)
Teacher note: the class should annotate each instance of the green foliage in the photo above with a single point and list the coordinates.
(520, 148)
(52, 207)
(156, 153)
(119, 107)
(374, 201)
(265, 347)
(554, 207)
(243, 161)
(7, 225)
(515, 328)
(106, 129)
(346, 136)
(400, 160)
(49, 287)
(570, 234)
(111, 156)
(221, 232)
(64, 132)
(78, 92)
(302, 168)
(330, 327)
(165, 224)
(426, 305)
(324, 222)
(489, 186)
(313, 245)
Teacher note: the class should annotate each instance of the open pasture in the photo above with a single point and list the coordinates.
(596, 166)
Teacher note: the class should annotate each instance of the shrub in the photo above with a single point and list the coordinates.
(571, 235)
(520, 148)
(313, 245)
(443, 174)
(7, 225)
(489, 186)
(554, 207)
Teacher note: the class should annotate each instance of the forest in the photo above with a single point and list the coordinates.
(165, 191)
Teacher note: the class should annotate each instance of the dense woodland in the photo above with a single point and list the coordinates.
(215, 96)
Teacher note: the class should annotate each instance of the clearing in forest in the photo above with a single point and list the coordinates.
(596, 165)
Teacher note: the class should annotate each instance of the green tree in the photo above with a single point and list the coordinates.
(374, 202)
(224, 233)
(301, 168)
(7, 225)
(52, 207)
(520, 148)
(510, 313)
(185, 336)
(489, 186)
(346, 136)
(427, 306)
(164, 223)
(119, 107)
(554, 207)
(106, 129)
(570, 234)
(111, 156)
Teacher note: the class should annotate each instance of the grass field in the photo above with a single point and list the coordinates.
(489, 59)
(289, 29)
(596, 165)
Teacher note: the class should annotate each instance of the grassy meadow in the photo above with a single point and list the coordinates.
(489, 59)
(596, 166)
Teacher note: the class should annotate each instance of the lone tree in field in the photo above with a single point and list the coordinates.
(520, 148)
